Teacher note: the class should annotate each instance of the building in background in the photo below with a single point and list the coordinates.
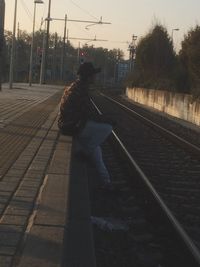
(122, 70)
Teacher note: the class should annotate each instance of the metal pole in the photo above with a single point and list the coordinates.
(78, 54)
(54, 57)
(2, 16)
(32, 43)
(173, 33)
(132, 49)
(67, 36)
(47, 42)
(63, 51)
(43, 57)
(13, 48)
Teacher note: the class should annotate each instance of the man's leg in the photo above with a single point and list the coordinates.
(89, 141)
(93, 135)
(100, 166)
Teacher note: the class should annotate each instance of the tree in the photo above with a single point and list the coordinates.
(189, 57)
(106, 59)
(22, 56)
(155, 60)
(100, 56)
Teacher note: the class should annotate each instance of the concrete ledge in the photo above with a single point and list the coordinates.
(53, 205)
(79, 243)
(60, 163)
(43, 247)
(61, 231)
(44, 242)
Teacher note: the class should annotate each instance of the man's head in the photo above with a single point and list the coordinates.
(87, 71)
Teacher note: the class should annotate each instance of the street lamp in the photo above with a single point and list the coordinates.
(13, 47)
(32, 42)
(63, 50)
(173, 32)
(46, 48)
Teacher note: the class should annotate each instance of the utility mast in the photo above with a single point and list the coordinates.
(2, 15)
(132, 51)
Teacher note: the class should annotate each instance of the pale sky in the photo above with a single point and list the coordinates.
(127, 17)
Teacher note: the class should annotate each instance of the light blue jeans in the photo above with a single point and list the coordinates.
(89, 141)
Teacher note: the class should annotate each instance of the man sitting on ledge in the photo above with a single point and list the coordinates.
(77, 119)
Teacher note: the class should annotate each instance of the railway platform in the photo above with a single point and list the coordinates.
(47, 194)
(44, 196)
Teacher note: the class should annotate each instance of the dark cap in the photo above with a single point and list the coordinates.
(87, 69)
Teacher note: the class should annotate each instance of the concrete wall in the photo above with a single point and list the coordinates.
(178, 105)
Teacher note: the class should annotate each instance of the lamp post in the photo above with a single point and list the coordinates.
(63, 50)
(46, 48)
(173, 33)
(13, 48)
(42, 66)
(32, 42)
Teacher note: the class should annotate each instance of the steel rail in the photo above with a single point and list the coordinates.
(193, 148)
(192, 253)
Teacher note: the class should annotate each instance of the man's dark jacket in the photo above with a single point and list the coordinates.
(75, 108)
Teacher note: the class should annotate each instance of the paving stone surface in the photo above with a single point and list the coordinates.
(28, 135)
(43, 209)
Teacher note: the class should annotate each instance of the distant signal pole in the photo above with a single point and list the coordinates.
(132, 51)
(173, 34)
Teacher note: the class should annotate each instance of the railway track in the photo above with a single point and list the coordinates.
(163, 180)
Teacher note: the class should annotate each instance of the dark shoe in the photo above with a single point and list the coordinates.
(108, 186)
(114, 186)
(119, 185)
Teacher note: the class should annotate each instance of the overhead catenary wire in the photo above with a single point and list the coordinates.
(83, 10)
(29, 14)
